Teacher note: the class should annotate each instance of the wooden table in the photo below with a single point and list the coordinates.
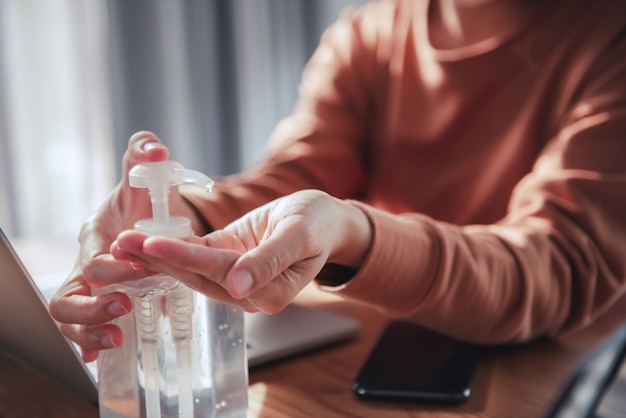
(517, 381)
(24, 393)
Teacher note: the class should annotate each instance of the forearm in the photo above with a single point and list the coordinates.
(490, 284)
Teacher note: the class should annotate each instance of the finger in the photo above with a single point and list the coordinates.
(93, 338)
(89, 355)
(128, 243)
(71, 307)
(162, 253)
(143, 146)
(281, 290)
(128, 246)
(259, 266)
(199, 267)
(208, 282)
(221, 239)
(212, 263)
(106, 270)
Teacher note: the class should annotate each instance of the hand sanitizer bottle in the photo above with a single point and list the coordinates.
(184, 354)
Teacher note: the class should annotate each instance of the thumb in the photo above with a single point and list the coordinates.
(143, 146)
(264, 263)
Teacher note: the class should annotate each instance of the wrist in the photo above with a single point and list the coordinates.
(355, 238)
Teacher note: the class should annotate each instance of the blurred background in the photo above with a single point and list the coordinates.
(78, 78)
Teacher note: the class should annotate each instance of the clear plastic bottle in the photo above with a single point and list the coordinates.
(184, 354)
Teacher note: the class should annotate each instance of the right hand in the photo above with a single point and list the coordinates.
(81, 315)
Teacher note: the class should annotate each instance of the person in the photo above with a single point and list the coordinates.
(456, 162)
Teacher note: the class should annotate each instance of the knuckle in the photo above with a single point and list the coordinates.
(269, 267)
(273, 264)
(308, 239)
(271, 307)
(91, 273)
(73, 332)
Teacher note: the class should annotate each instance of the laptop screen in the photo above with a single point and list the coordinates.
(28, 332)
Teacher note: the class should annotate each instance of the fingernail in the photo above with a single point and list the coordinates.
(108, 342)
(135, 265)
(116, 308)
(152, 145)
(242, 282)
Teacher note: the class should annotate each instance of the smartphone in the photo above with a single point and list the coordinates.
(412, 363)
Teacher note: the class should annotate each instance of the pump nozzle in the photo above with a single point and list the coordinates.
(158, 177)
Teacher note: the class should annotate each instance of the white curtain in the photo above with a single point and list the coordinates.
(78, 77)
(56, 162)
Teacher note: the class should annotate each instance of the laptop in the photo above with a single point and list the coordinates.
(28, 332)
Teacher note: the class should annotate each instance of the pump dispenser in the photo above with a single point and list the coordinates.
(158, 177)
(184, 354)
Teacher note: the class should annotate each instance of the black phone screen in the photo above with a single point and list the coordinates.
(412, 363)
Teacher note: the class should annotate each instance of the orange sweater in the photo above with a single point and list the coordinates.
(494, 175)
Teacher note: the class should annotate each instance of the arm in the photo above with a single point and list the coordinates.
(552, 265)
(317, 158)
(322, 143)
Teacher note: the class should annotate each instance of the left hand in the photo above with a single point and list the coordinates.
(264, 259)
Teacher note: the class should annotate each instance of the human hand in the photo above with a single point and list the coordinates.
(81, 315)
(264, 259)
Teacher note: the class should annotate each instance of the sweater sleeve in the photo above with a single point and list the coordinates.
(321, 144)
(552, 265)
